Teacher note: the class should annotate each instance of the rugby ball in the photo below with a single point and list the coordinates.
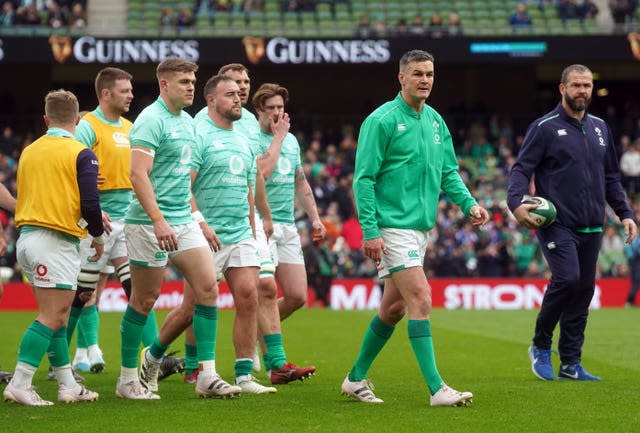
(545, 214)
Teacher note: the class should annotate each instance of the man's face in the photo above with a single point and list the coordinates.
(227, 101)
(244, 83)
(120, 96)
(416, 80)
(577, 92)
(179, 88)
(272, 109)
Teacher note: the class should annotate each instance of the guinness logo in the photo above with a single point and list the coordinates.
(254, 48)
(60, 47)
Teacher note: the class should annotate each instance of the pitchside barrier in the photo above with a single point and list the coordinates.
(363, 294)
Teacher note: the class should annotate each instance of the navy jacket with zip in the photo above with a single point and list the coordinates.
(574, 165)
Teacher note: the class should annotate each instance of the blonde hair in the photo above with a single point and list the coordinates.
(61, 107)
(175, 64)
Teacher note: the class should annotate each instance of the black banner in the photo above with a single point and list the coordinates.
(290, 51)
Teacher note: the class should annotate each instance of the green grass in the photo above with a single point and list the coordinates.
(482, 351)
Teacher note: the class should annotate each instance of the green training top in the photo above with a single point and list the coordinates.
(247, 125)
(224, 161)
(115, 202)
(171, 137)
(403, 160)
(281, 184)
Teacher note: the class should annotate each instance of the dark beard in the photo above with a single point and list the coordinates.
(574, 105)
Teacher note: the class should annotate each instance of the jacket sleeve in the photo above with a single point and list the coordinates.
(614, 192)
(372, 142)
(87, 169)
(451, 182)
(531, 153)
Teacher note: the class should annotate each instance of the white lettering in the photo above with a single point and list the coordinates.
(88, 49)
(356, 299)
(282, 50)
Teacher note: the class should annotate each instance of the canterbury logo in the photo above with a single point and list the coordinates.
(413, 254)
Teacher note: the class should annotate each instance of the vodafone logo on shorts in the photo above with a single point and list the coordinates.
(41, 270)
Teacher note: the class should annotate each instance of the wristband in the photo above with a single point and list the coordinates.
(155, 215)
(99, 240)
(197, 216)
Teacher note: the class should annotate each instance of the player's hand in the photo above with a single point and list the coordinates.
(211, 236)
(479, 216)
(318, 231)
(374, 248)
(106, 222)
(280, 126)
(267, 227)
(166, 236)
(99, 248)
(521, 214)
(630, 229)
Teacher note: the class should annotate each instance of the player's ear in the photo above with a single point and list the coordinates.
(46, 120)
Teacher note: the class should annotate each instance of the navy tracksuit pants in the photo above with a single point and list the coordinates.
(572, 258)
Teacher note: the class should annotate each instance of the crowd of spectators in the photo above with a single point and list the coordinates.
(486, 147)
(52, 13)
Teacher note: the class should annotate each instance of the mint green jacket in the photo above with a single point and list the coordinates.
(403, 161)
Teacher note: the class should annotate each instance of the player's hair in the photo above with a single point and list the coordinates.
(581, 69)
(212, 83)
(233, 67)
(266, 91)
(61, 107)
(175, 64)
(107, 78)
(415, 56)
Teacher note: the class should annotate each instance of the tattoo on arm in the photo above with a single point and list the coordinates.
(264, 155)
(300, 175)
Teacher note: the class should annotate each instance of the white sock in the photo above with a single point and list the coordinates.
(64, 376)
(128, 374)
(243, 378)
(94, 350)
(208, 368)
(23, 375)
(81, 353)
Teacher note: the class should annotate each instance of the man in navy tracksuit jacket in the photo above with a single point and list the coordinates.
(571, 155)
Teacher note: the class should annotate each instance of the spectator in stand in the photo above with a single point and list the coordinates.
(184, 19)
(454, 26)
(56, 16)
(401, 29)
(417, 27)
(29, 16)
(78, 18)
(520, 19)
(436, 28)
(166, 19)
(611, 257)
(569, 10)
(380, 27)
(630, 168)
(623, 12)
(589, 10)
(364, 29)
(8, 15)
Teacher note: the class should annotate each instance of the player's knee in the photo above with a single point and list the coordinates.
(296, 301)
(393, 313)
(267, 289)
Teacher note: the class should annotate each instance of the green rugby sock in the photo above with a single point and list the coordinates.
(150, 331)
(422, 344)
(243, 367)
(90, 320)
(275, 350)
(131, 334)
(34, 344)
(74, 316)
(191, 358)
(58, 350)
(205, 329)
(374, 340)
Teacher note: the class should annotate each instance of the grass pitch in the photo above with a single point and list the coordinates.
(481, 351)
